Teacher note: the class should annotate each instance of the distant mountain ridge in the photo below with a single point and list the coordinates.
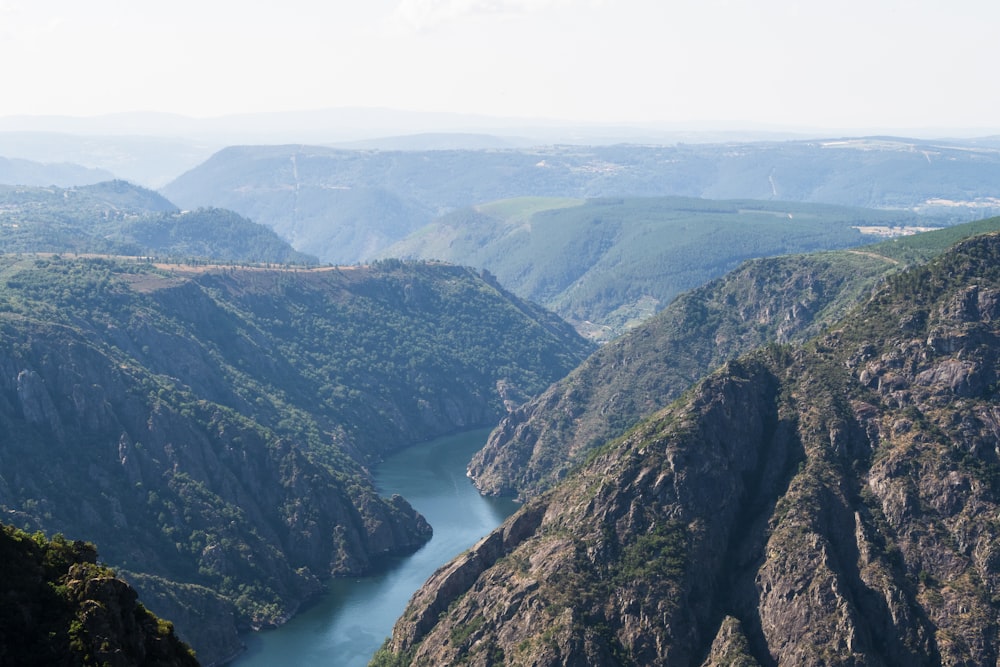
(14, 171)
(314, 196)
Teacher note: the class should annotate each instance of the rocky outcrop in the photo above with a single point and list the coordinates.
(833, 503)
(61, 608)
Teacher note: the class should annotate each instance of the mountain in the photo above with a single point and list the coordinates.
(783, 299)
(299, 190)
(14, 171)
(62, 608)
(607, 264)
(116, 217)
(211, 427)
(833, 502)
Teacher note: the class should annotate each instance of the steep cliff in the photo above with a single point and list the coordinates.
(210, 428)
(782, 299)
(834, 503)
(61, 608)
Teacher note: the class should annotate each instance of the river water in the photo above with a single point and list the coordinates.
(349, 623)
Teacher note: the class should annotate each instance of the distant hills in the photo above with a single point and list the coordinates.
(150, 161)
(208, 411)
(62, 174)
(607, 264)
(118, 218)
(347, 206)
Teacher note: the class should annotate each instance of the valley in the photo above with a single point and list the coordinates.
(352, 619)
(213, 430)
(237, 425)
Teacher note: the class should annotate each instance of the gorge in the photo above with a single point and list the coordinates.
(352, 619)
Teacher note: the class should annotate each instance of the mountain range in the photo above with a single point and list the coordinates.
(780, 299)
(792, 463)
(346, 206)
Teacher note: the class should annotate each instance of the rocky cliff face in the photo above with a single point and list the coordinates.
(783, 299)
(211, 429)
(828, 504)
(189, 492)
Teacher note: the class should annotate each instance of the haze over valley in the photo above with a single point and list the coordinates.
(526, 332)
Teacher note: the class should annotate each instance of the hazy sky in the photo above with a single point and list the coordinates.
(840, 63)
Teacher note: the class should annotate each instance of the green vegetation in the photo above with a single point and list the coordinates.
(348, 206)
(118, 218)
(606, 264)
(61, 608)
(833, 497)
(658, 554)
(212, 426)
(385, 657)
(919, 248)
(784, 299)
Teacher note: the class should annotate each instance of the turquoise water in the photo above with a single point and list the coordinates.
(348, 624)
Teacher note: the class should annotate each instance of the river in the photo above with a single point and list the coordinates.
(349, 623)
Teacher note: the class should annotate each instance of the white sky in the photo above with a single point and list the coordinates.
(839, 63)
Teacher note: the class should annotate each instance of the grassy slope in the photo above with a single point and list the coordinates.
(613, 262)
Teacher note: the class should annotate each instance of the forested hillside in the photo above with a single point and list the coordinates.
(60, 608)
(119, 218)
(781, 299)
(607, 264)
(210, 428)
(315, 197)
(832, 502)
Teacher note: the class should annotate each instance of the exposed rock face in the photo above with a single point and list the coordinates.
(829, 504)
(211, 430)
(61, 608)
(784, 299)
